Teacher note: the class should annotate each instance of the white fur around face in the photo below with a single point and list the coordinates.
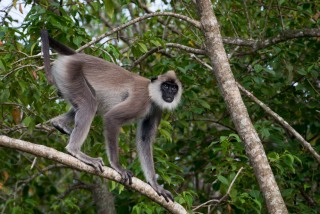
(156, 96)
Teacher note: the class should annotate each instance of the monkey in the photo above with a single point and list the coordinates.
(94, 86)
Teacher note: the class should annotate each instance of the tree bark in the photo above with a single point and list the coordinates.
(237, 109)
(103, 198)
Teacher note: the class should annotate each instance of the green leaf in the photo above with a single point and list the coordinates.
(2, 65)
(265, 132)
(223, 138)
(4, 95)
(258, 203)
(166, 134)
(235, 136)
(32, 47)
(27, 121)
(287, 192)
(204, 104)
(143, 48)
(273, 157)
(258, 68)
(156, 43)
(255, 193)
(302, 71)
(109, 7)
(223, 180)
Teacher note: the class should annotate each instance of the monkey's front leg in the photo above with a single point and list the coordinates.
(147, 129)
(146, 159)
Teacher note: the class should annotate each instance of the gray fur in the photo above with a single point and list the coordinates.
(92, 85)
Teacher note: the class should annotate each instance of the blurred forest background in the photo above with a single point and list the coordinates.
(273, 49)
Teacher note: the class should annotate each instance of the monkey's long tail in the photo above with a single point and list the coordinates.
(59, 47)
(47, 42)
(46, 55)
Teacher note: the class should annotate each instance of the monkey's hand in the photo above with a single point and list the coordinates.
(162, 192)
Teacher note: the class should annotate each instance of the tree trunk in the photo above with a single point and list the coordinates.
(237, 109)
(103, 198)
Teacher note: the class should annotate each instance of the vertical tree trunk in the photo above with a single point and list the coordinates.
(103, 198)
(237, 109)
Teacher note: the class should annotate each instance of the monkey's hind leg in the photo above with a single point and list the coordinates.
(63, 122)
(83, 118)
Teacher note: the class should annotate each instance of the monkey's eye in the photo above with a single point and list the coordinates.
(165, 86)
(174, 88)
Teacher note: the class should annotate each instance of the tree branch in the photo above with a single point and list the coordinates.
(68, 160)
(282, 122)
(282, 37)
(147, 10)
(185, 18)
(254, 44)
(169, 45)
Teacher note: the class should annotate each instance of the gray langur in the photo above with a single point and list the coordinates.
(92, 85)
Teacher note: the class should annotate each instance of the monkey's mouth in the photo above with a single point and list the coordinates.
(168, 99)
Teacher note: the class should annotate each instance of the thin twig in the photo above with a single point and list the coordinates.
(280, 14)
(169, 45)
(234, 179)
(16, 69)
(248, 19)
(216, 201)
(75, 187)
(147, 10)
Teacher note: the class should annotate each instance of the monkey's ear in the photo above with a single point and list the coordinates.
(153, 78)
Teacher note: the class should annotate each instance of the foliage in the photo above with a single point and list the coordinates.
(197, 151)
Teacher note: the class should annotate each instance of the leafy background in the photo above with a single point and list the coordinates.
(197, 151)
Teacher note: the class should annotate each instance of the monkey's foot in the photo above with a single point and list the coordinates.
(61, 125)
(126, 175)
(96, 163)
(162, 192)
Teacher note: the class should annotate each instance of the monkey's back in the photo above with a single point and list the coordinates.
(111, 83)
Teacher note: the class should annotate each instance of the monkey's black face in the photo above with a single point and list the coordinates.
(169, 90)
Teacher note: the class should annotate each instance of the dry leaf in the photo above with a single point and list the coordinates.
(35, 75)
(16, 114)
(20, 8)
(5, 175)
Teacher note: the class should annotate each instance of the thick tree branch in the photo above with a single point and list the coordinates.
(282, 37)
(68, 160)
